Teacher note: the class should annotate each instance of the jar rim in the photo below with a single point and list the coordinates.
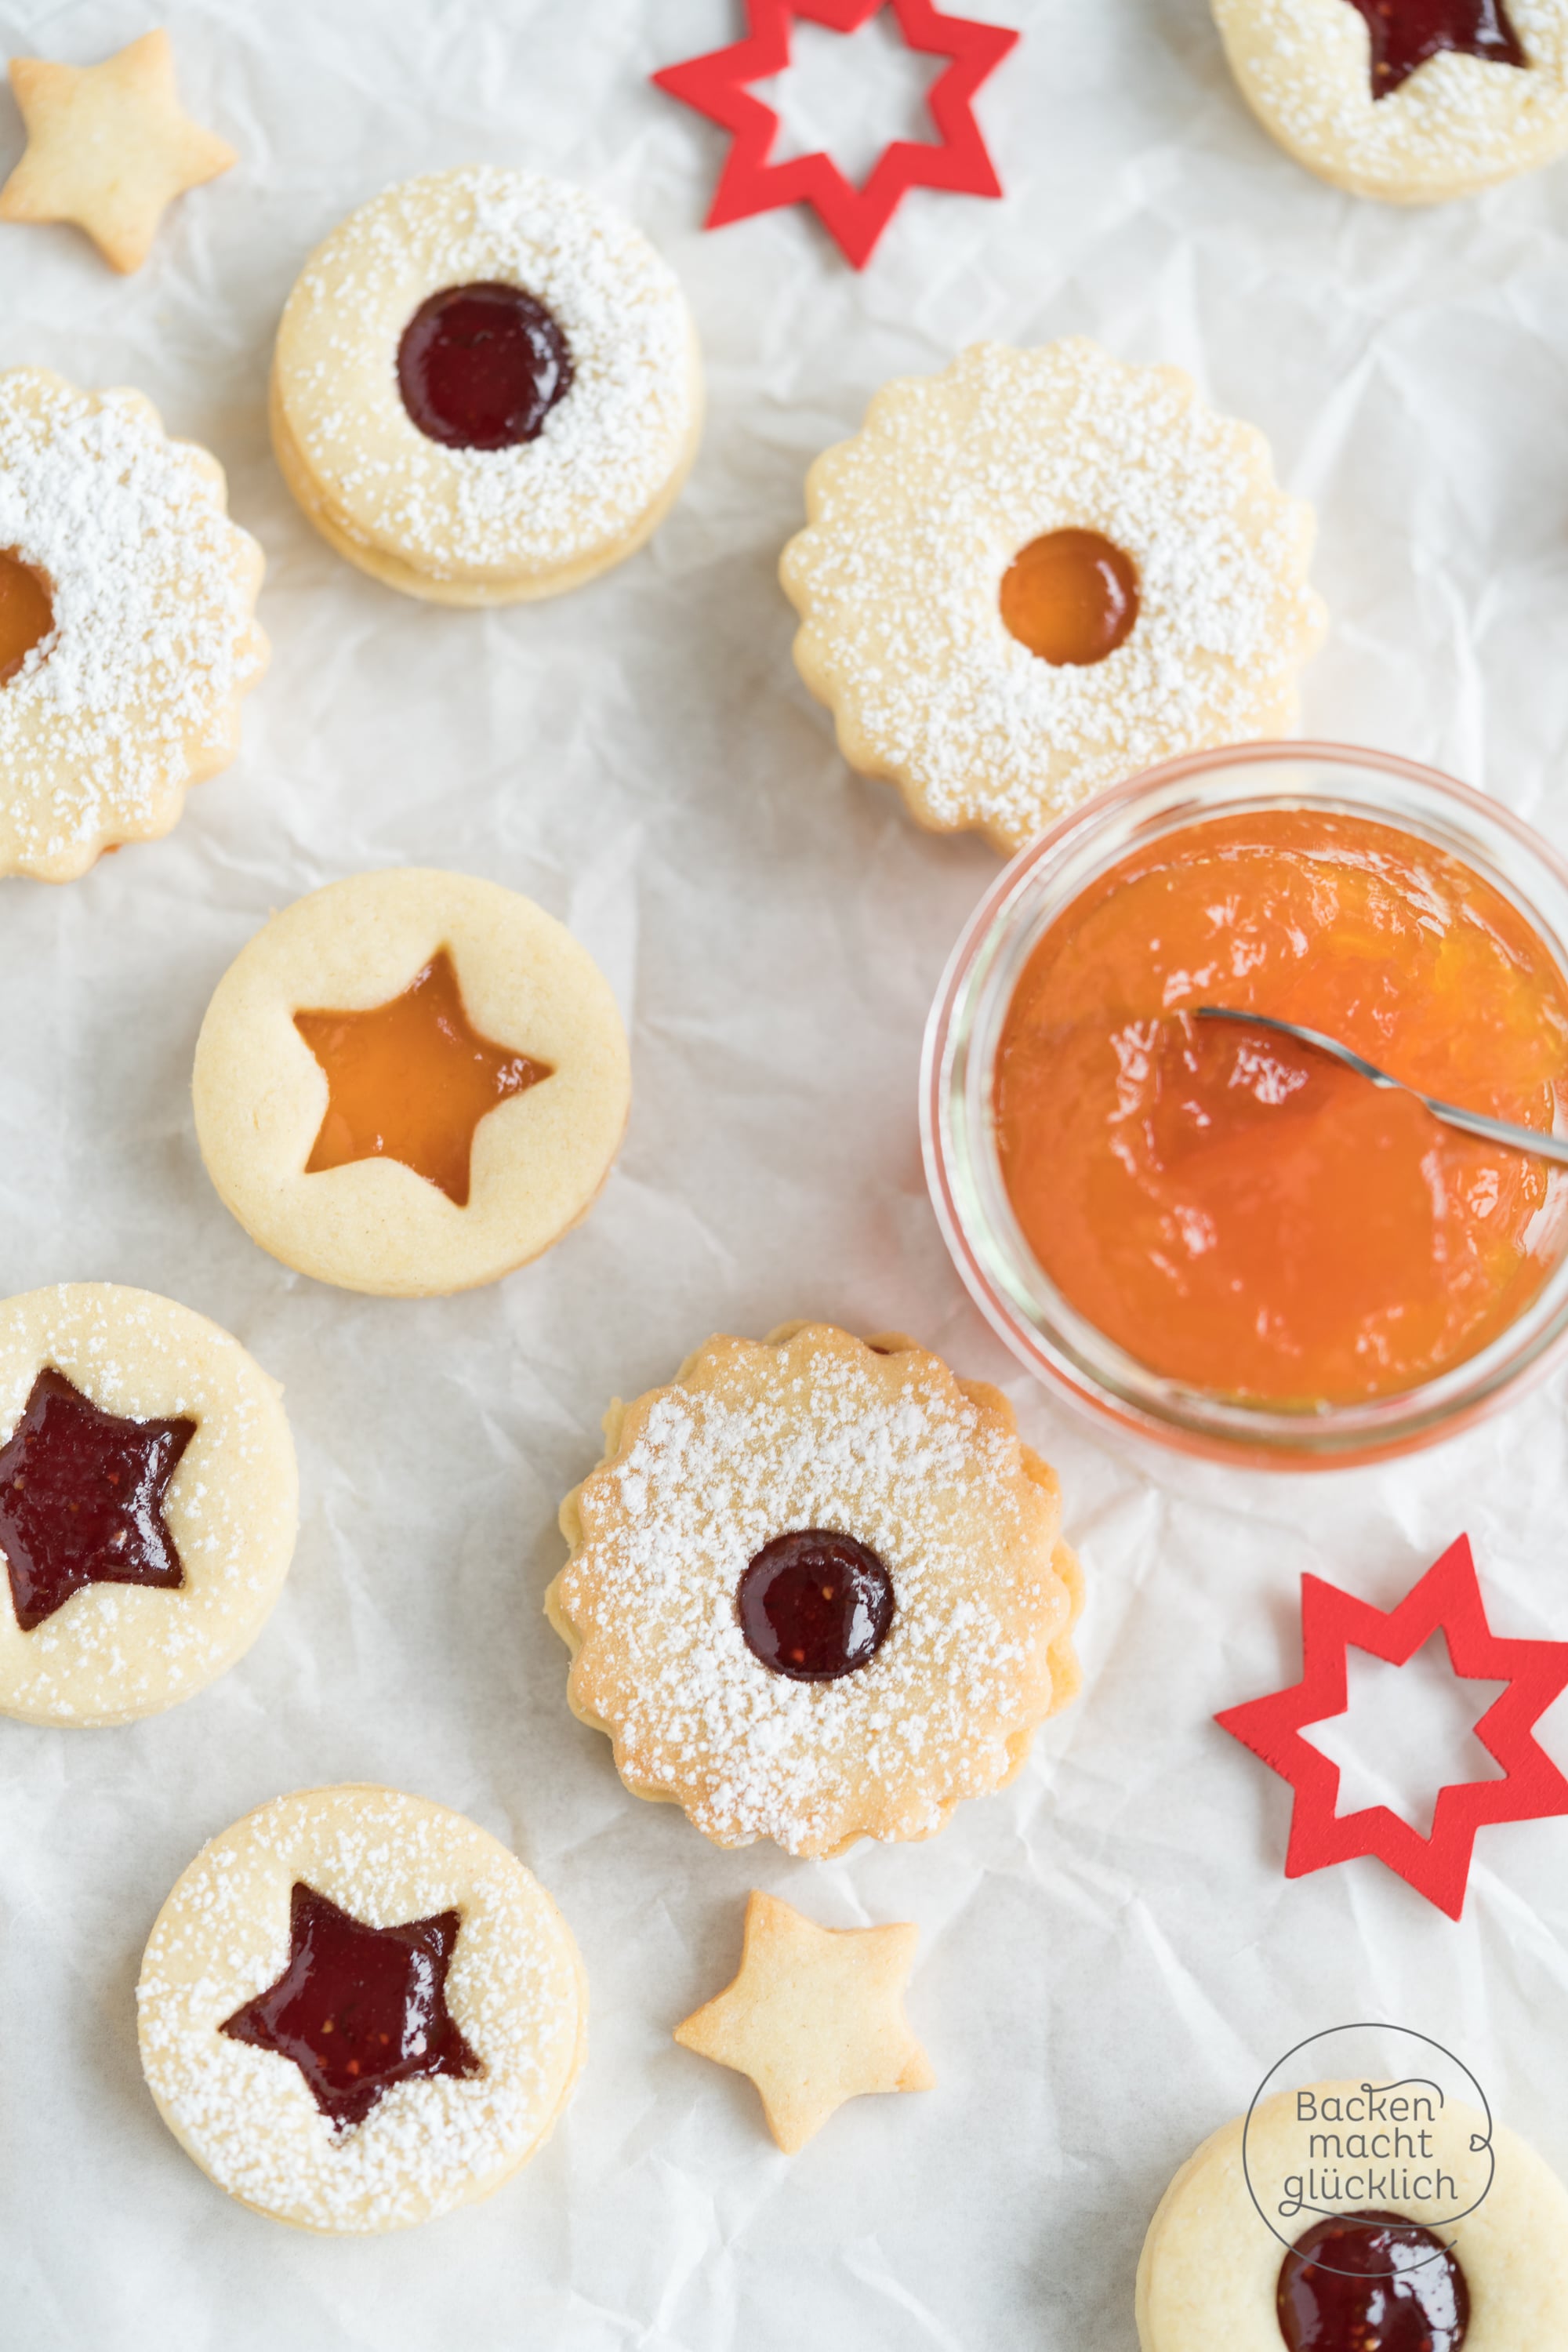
(1040, 1325)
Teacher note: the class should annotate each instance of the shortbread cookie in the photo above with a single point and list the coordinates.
(815, 2017)
(149, 1503)
(1043, 571)
(816, 1591)
(108, 147)
(1401, 2271)
(1406, 100)
(487, 387)
(358, 2011)
(411, 1083)
(127, 624)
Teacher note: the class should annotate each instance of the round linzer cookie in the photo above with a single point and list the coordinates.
(127, 624)
(149, 1503)
(411, 1083)
(487, 387)
(1401, 2271)
(1040, 572)
(816, 1591)
(358, 2011)
(1412, 100)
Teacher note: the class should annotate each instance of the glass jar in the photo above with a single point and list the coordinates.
(963, 1168)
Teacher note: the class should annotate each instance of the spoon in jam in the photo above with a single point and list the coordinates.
(1469, 1122)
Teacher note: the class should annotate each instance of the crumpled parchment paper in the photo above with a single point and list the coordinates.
(1110, 1957)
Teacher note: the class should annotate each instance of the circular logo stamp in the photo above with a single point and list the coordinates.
(1368, 2121)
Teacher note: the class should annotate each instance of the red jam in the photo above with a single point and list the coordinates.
(1071, 598)
(1406, 32)
(816, 1606)
(358, 2008)
(26, 612)
(1372, 2283)
(1235, 1211)
(81, 1499)
(411, 1080)
(481, 367)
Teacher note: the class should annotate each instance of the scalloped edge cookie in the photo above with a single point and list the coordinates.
(814, 1428)
(914, 522)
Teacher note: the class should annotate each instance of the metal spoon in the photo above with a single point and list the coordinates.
(1471, 1122)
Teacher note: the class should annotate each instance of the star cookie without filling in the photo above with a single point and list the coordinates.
(108, 147)
(814, 2017)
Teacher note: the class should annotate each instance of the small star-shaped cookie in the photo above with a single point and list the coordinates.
(108, 146)
(815, 2017)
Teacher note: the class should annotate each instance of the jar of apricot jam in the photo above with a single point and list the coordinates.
(1212, 1234)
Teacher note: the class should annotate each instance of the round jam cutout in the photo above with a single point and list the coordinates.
(481, 367)
(816, 1606)
(1372, 2282)
(26, 612)
(1071, 598)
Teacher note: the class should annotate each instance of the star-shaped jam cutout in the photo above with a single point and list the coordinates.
(108, 147)
(358, 2008)
(81, 1499)
(1406, 32)
(815, 2017)
(1447, 1598)
(411, 1080)
(718, 86)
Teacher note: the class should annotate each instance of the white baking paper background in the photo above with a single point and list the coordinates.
(1110, 1957)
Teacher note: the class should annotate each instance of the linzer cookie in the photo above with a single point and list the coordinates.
(1041, 573)
(1463, 2246)
(817, 1592)
(149, 1503)
(1412, 100)
(127, 624)
(487, 387)
(358, 2011)
(411, 1083)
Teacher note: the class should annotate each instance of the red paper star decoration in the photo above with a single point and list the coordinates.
(1448, 1596)
(717, 86)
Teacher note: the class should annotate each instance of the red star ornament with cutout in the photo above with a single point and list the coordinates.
(1447, 1597)
(718, 86)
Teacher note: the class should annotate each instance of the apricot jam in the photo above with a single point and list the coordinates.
(26, 612)
(411, 1080)
(1071, 598)
(1239, 1213)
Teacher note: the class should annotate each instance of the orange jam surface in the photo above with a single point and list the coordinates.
(1071, 598)
(1238, 1212)
(411, 1080)
(26, 614)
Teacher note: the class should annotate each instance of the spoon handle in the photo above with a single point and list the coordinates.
(1469, 1122)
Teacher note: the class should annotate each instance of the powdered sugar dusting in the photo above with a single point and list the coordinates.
(916, 520)
(114, 1652)
(248, 2116)
(606, 451)
(752, 1443)
(130, 697)
(1458, 123)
